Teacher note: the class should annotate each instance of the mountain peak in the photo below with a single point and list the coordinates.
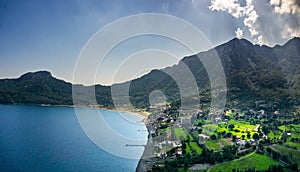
(235, 44)
(239, 42)
(39, 74)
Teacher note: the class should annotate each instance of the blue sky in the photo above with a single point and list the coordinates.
(49, 35)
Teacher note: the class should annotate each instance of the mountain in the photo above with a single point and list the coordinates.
(42, 88)
(39, 87)
(252, 72)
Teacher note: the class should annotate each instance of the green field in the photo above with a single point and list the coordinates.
(212, 145)
(225, 142)
(258, 161)
(243, 128)
(179, 132)
(209, 129)
(282, 127)
(293, 144)
(195, 147)
(188, 149)
(165, 131)
(275, 135)
(294, 129)
(287, 151)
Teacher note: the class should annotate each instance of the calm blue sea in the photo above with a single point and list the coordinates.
(36, 138)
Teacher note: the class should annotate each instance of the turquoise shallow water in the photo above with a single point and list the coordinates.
(36, 138)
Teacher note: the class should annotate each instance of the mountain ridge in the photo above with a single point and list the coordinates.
(252, 72)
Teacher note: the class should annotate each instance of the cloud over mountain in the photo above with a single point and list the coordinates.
(266, 22)
(239, 33)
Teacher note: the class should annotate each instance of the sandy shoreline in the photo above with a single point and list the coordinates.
(143, 113)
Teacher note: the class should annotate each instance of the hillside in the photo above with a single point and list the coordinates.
(252, 73)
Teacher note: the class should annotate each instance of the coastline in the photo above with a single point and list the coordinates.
(145, 163)
(142, 113)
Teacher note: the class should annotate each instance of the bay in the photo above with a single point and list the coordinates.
(49, 138)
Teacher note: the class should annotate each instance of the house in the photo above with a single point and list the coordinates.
(179, 151)
(153, 133)
(241, 142)
(186, 122)
(218, 119)
(202, 138)
(177, 144)
(261, 112)
(276, 112)
(162, 154)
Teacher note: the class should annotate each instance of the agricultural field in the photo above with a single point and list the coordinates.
(294, 129)
(195, 147)
(188, 149)
(210, 144)
(226, 142)
(239, 128)
(293, 144)
(258, 161)
(287, 151)
(209, 129)
(274, 134)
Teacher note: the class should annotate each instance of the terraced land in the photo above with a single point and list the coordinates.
(254, 160)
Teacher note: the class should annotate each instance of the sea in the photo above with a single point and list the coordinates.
(51, 138)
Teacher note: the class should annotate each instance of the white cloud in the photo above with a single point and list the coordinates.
(289, 11)
(230, 6)
(239, 33)
(251, 18)
(275, 2)
(286, 6)
(267, 23)
(236, 10)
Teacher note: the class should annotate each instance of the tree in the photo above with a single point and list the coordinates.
(247, 145)
(200, 131)
(248, 135)
(186, 162)
(228, 134)
(255, 136)
(213, 137)
(231, 126)
(233, 138)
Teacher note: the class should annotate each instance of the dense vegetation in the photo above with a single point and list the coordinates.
(252, 73)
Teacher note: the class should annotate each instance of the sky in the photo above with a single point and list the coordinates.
(50, 35)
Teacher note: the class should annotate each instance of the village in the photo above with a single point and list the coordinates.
(191, 133)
